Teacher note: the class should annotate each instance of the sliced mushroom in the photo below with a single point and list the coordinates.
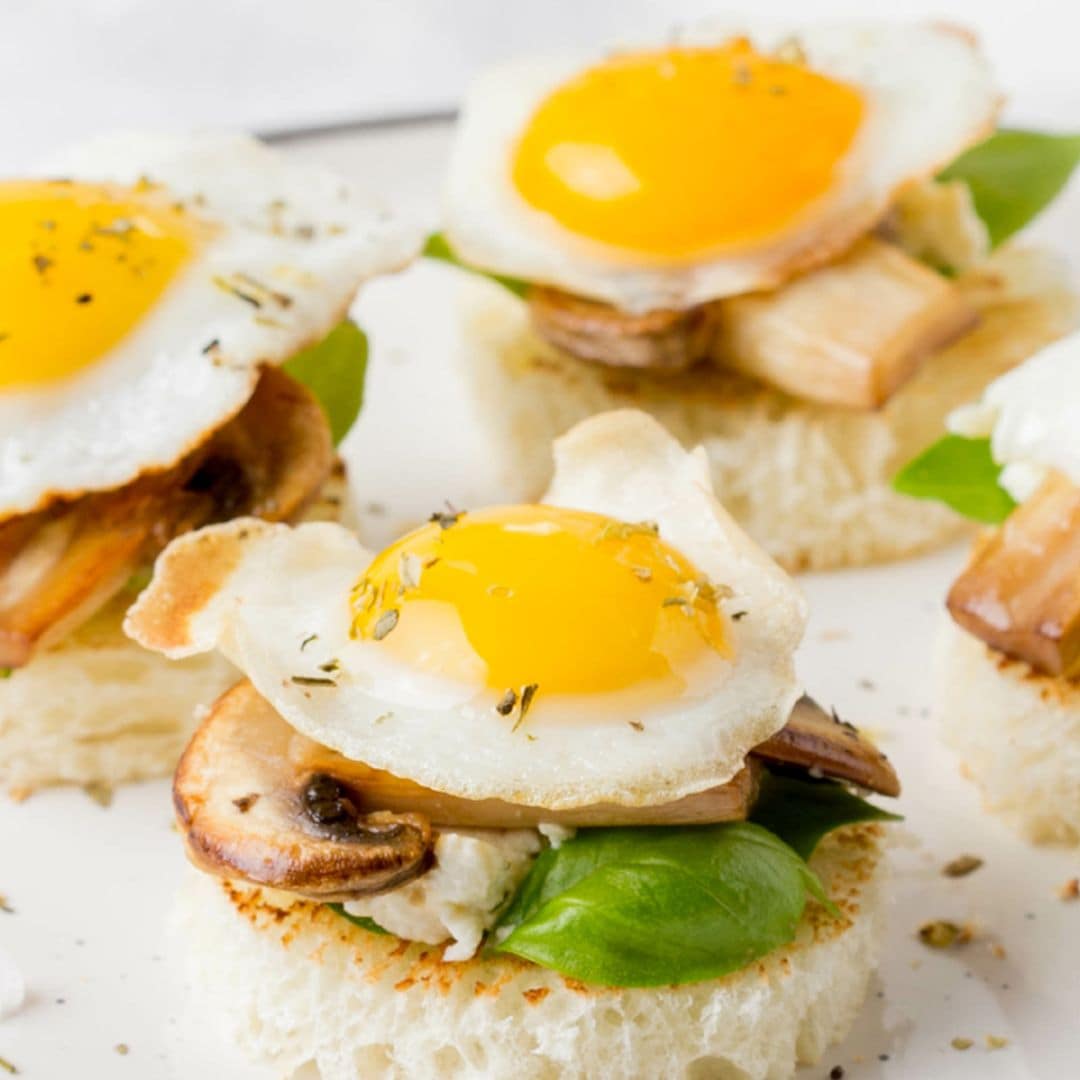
(373, 788)
(259, 801)
(662, 341)
(819, 742)
(848, 333)
(59, 565)
(1020, 593)
(246, 812)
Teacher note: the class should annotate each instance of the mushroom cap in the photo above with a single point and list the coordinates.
(246, 811)
(61, 564)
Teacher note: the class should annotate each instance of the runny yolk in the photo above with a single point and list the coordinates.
(572, 602)
(80, 266)
(684, 151)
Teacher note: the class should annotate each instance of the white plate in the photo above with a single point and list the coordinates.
(91, 887)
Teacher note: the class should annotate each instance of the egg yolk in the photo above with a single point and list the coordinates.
(80, 266)
(680, 152)
(562, 600)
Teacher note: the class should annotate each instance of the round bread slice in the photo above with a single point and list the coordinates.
(298, 988)
(1017, 733)
(98, 709)
(810, 483)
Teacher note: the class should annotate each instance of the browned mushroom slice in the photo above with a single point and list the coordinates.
(57, 566)
(814, 740)
(663, 341)
(246, 812)
(257, 800)
(850, 333)
(272, 459)
(372, 788)
(1021, 591)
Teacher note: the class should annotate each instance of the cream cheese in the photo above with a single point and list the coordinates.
(1032, 418)
(459, 899)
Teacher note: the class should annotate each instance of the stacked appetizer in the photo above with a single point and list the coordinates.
(172, 353)
(776, 243)
(532, 792)
(1010, 654)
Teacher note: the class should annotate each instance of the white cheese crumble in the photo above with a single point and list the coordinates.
(459, 898)
(1032, 417)
(557, 835)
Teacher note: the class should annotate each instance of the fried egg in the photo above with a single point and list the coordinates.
(666, 175)
(144, 283)
(622, 641)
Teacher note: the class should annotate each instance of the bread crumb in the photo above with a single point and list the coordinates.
(962, 865)
(100, 791)
(961, 1044)
(1070, 890)
(942, 934)
(996, 1042)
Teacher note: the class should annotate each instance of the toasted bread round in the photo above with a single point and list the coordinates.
(1017, 733)
(298, 988)
(96, 708)
(99, 709)
(811, 483)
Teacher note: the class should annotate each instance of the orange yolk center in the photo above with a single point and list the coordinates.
(685, 151)
(80, 266)
(569, 601)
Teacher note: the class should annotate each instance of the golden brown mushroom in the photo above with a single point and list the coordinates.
(57, 566)
(245, 811)
(820, 742)
(259, 801)
(662, 341)
(849, 333)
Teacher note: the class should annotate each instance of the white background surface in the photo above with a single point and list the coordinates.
(72, 67)
(91, 887)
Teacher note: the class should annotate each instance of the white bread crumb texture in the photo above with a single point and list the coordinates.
(1017, 734)
(298, 989)
(810, 483)
(99, 709)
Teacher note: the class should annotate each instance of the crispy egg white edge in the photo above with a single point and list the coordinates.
(623, 464)
(158, 395)
(903, 141)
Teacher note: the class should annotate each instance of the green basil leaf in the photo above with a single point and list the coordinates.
(802, 811)
(660, 906)
(1014, 175)
(359, 920)
(438, 247)
(962, 474)
(334, 370)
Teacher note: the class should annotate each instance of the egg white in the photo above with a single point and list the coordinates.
(929, 95)
(160, 392)
(280, 612)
